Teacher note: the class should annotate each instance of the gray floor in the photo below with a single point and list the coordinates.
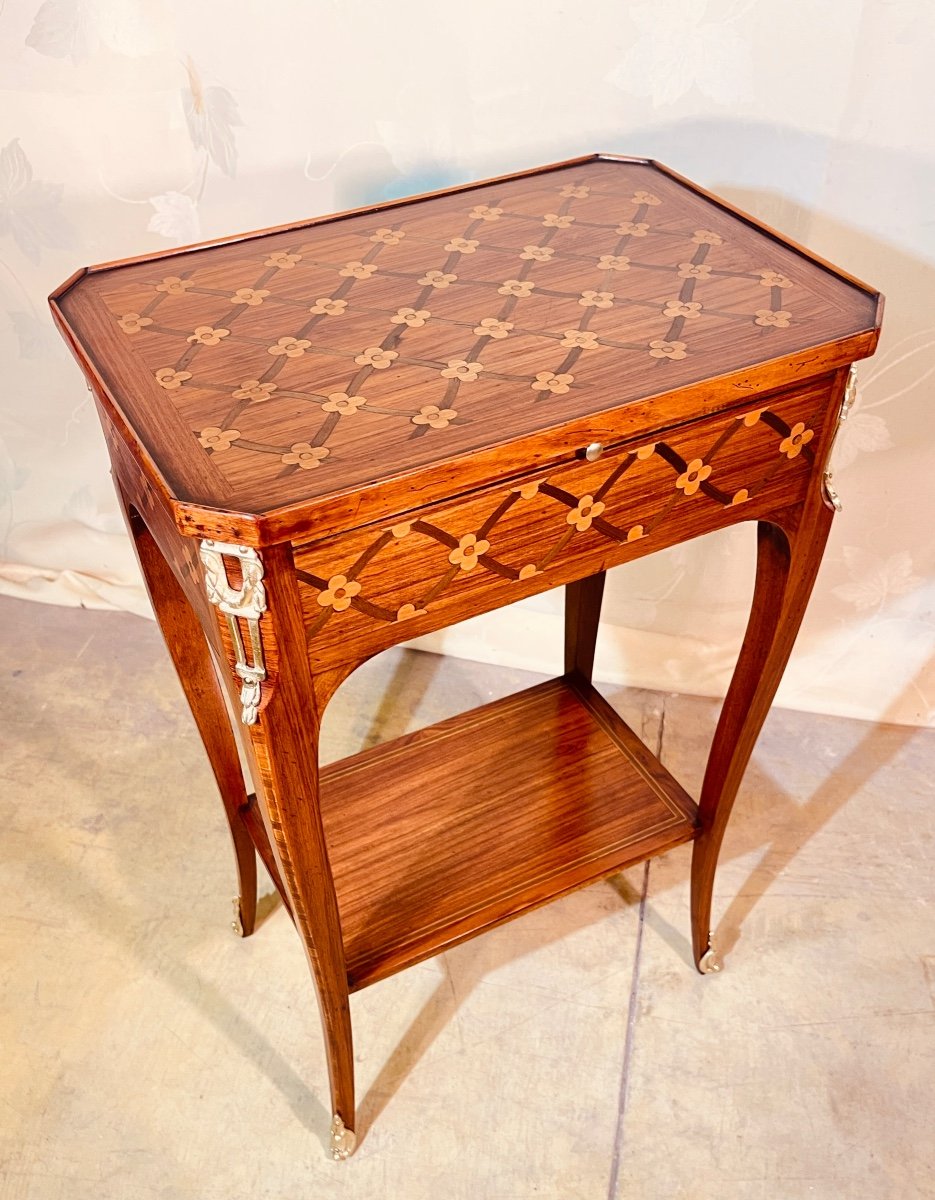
(148, 1053)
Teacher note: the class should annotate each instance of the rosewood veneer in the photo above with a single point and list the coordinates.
(330, 437)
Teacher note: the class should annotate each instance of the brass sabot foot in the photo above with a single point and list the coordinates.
(343, 1140)
(709, 963)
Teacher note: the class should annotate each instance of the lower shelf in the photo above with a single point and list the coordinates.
(456, 828)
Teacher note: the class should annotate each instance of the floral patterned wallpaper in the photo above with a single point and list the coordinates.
(131, 125)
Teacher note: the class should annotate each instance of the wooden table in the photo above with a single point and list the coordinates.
(331, 437)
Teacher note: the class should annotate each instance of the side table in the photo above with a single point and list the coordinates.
(330, 437)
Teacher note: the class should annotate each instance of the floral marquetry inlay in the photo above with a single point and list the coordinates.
(578, 518)
(305, 456)
(133, 322)
(466, 319)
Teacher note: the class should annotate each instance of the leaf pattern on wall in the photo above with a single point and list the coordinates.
(64, 29)
(78, 29)
(30, 209)
(37, 337)
(175, 217)
(682, 46)
(12, 478)
(875, 580)
(211, 114)
(861, 433)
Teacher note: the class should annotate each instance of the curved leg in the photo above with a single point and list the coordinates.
(284, 744)
(787, 563)
(195, 667)
(582, 616)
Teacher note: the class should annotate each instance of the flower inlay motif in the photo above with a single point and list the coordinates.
(516, 287)
(216, 439)
(694, 475)
(537, 253)
(573, 252)
(358, 270)
(547, 381)
(172, 285)
(798, 438)
(388, 237)
(778, 318)
(689, 309)
(591, 299)
(580, 339)
(415, 318)
(325, 306)
(249, 296)
(253, 390)
(204, 335)
(305, 456)
(133, 322)
(169, 378)
(491, 327)
(434, 417)
(339, 593)
(586, 511)
(437, 279)
(376, 357)
(460, 245)
(467, 372)
(632, 229)
(660, 348)
(289, 347)
(340, 402)
(623, 503)
(283, 260)
(467, 552)
(483, 212)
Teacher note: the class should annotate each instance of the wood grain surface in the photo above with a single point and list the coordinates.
(458, 827)
(379, 585)
(394, 405)
(335, 358)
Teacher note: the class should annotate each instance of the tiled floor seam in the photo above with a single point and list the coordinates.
(623, 1094)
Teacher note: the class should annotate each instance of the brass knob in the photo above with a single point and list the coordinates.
(593, 452)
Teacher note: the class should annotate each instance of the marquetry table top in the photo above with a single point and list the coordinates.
(341, 354)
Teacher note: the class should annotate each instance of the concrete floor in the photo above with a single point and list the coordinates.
(148, 1053)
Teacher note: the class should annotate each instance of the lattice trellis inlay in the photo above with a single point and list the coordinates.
(305, 355)
(676, 307)
(403, 571)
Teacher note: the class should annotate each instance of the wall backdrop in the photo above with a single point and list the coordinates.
(132, 125)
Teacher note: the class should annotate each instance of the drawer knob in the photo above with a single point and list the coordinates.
(594, 451)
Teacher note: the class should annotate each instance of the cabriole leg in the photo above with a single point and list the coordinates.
(284, 741)
(787, 563)
(188, 648)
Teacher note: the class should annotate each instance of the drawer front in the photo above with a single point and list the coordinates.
(368, 589)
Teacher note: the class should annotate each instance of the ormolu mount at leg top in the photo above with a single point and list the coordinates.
(247, 602)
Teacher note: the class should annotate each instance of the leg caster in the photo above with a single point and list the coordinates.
(237, 924)
(343, 1140)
